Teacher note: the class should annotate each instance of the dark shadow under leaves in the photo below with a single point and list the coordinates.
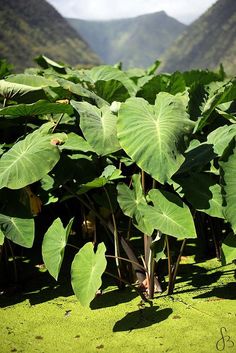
(113, 298)
(206, 279)
(224, 292)
(142, 318)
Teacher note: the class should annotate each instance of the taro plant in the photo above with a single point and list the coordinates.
(115, 156)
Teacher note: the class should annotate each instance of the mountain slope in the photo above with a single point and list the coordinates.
(209, 41)
(33, 27)
(135, 41)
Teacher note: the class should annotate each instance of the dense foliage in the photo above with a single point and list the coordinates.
(96, 158)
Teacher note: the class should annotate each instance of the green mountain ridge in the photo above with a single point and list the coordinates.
(33, 27)
(208, 42)
(134, 41)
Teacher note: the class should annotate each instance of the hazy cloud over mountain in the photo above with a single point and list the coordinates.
(184, 10)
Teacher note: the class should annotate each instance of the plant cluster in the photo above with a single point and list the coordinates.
(94, 158)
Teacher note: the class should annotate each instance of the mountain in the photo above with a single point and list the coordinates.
(33, 27)
(206, 43)
(137, 41)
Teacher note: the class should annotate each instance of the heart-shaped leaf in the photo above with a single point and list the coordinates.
(86, 272)
(108, 73)
(169, 215)
(53, 247)
(112, 90)
(18, 230)
(130, 201)
(154, 136)
(98, 127)
(29, 160)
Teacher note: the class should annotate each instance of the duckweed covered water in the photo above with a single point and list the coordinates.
(199, 318)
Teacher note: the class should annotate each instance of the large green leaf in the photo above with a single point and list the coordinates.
(203, 77)
(150, 86)
(203, 192)
(112, 90)
(46, 62)
(108, 73)
(153, 136)
(219, 93)
(98, 127)
(148, 89)
(221, 137)
(176, 83)
(169, 215)
(25, 88)
(228, 174)
(29, 160)
(32, 80)
(39, 108)
(197, 157)
(21, 92)
(86, 271)
(18, 230)
(53, 247)
(130, 201)
(229, 249)
(78, 90)
(75, 142)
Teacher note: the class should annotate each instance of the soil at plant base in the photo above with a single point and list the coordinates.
(199, 318)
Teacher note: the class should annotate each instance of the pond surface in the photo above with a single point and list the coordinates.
(199, 318)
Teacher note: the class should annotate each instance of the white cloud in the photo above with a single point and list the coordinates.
(184, 10)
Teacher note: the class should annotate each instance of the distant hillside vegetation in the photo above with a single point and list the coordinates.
(33, 27)
(206, 43)
(135, 41)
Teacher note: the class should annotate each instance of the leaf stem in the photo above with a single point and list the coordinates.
(115, 233)
(58, 122)
(169, 259)
(140, 275)
(151, 275)
(139, 291)
(127, 260)
(175, 270)
(73, 246)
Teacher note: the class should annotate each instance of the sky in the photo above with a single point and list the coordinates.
(185, 11)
